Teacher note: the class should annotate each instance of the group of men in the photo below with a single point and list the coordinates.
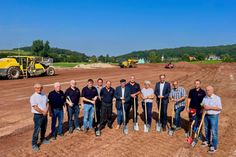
(97, 103)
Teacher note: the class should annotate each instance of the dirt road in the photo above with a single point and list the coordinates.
(16, 119)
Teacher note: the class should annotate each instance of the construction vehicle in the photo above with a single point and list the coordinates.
(130, 63)
(14, 67)
(169, 65)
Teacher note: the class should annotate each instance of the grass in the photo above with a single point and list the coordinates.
(67, 65)
(206, 62)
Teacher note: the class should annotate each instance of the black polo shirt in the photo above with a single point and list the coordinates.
(56, 99)
(74, 95)
(106, 95)
(133, 88)
(196, 98)
(89, 93)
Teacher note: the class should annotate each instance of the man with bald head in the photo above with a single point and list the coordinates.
(72, 98)
(56, 103)
(212, 105)
(135, 90)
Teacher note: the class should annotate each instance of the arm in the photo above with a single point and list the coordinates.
(166, 95)
(117, 94)
(156, 91)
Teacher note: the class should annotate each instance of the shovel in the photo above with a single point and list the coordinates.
(190, 139)
(195, 140)
(159, 125)
(171, 129)
(145, 125)
(125, 127)
(97, 131)
(136, 128)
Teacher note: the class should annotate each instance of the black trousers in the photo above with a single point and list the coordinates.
(131, 104)
(98, 111)
(164, 106)
(106, 114)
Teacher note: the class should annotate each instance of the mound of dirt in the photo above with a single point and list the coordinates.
(95, 66)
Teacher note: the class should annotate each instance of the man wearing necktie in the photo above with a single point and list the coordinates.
(162, 91)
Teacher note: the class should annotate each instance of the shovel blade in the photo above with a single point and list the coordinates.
(98, 133)
(145, 128)
(171, 132)
(125, 130)
(136, 127)
(158, 127)
(194, 143)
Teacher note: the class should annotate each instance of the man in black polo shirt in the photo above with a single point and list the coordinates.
(72, 99)
(194, 101)
(134, 91)
(107, 95)
(89, 97)
(56, 102)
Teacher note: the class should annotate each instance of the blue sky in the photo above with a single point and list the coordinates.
(117, 26)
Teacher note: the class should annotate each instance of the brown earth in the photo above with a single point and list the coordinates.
(16, 119)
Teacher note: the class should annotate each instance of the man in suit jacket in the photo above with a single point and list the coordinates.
(122, 95)
(162, 91)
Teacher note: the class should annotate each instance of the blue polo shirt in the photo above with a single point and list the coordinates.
(89, 93)
(56, 99)
(107, 95)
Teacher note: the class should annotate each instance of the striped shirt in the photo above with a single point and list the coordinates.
(213, 101)
(177, 93)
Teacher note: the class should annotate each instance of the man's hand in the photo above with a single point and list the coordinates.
(123, 101)
(45, 112)
(133, 95)
(207, 107)
(160, 97)
(95, 98)
(187, 109)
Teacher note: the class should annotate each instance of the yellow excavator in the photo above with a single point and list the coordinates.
(14, 67)
(130, 63)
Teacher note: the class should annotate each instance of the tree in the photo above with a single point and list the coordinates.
(153, 57)
(46, 49)
(37, 47)
(93, 59)
(101, 59)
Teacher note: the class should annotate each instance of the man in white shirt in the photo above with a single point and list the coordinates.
(212, 105)
(39, 107)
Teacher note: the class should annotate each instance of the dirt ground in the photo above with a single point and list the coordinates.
(16, 124)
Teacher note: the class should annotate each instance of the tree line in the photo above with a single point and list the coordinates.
(226, 52)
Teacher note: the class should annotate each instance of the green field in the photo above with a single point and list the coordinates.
(67, 65)
(206, 62)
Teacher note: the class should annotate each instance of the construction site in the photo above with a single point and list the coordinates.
(16, 122)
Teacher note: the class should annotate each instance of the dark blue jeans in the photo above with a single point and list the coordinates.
(73, 112)
(149, 112)
(211, 127)
(177, 116)
(40, 124)
(57, 114)
(197, 117)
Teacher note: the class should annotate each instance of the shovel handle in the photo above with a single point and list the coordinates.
(159, 116)
(173, 113)
(95, 113)
(203, 117)
(145, 108)
(123, 107)
(135, 110)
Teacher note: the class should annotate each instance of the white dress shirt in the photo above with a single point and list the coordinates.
(161, 88)
(213, 101)
(123, 91)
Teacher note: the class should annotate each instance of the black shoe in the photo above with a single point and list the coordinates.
(61, 135)
(110, 126)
